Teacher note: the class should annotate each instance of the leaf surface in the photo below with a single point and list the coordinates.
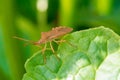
(92, 54)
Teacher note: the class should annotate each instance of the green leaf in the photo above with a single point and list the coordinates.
(92, 54)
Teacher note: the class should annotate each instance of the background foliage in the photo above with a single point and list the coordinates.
(27, 18)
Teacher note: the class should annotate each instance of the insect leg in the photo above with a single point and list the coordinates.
(60, 41)
(52, 47)
(70, 44)
(43, 51)
(53, 50)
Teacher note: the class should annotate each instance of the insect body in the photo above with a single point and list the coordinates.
(53, 34)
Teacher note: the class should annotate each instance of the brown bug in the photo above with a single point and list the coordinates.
(50, 36)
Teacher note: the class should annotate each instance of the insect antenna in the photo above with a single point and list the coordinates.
(28, 41)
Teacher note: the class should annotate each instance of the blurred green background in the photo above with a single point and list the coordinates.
(27, 18)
